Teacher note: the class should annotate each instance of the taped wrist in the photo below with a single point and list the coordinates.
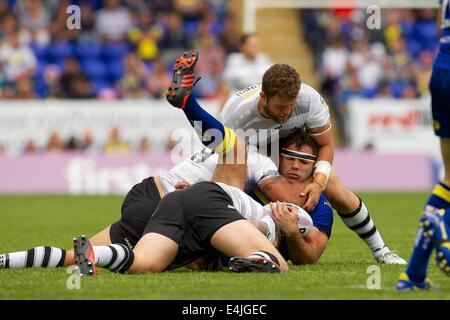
(324, 167)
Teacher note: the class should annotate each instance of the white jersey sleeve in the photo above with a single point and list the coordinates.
(260, 168)
(250, 209)
(318, 111)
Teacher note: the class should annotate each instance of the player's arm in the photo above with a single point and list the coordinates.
(307, 249)
(302, 249)
(278, 188)
(322, 169)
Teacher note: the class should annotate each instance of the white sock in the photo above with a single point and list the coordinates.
(362, 224)
(37, 257)
(113, 257)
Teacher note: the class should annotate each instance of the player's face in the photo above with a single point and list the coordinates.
(295, 169)
(279, 108)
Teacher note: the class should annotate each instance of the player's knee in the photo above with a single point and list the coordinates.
(284, 266)
(144, 265)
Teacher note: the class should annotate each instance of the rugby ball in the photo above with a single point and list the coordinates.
(304, 223)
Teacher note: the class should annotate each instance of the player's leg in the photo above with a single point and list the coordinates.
(153, 253)
(46, 256)
(213, 134)
(416, 272)
(445, 151)
(355, 216)
(137, 208)
(249, 247)
(154, 250)
(99, 239)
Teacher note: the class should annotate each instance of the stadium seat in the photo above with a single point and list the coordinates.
(88, 50)
(100, 84)
(190, 27)
(114, 50)
(94, 68)
(39, 51)
(60, 51)
(414, 48)
(115, 70)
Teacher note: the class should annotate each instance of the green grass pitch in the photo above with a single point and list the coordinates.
(341, 273)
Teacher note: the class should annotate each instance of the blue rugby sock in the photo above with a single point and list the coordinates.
(417, 267)
(213, 134)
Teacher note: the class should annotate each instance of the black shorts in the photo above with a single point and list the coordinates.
(190, 217)
(137, 208)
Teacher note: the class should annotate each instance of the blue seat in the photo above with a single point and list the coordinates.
(60, 51)
(114, 51)
(115, 70)
(88, 50)
(190, 27)
(414, 48)
(100, 84)
(39, 51)
(94, 68)
(397, 89)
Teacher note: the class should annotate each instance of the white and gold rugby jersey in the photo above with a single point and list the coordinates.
(200, 167)
(241, 112)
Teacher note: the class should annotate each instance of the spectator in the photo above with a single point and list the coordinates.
(33, 15)
(87, 142)
(171, 143)
(145, 146)
(145, 36)
(229, 37)
(24, 89)
(58, 27)
(136, 74)
(52, 76)
(159, 80)
(174, 39)
(88, 24)
(74, 83)
(334, 59)
(422, 72)
(190, 10)
(113, 21)
(55, 143)
(247, 67)
(115, 145)
(18, 60)
(209, 66)
(71, 144)
(30, 146)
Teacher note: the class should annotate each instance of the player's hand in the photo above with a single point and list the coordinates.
(180, 185)
(284, 217)
(312, 193)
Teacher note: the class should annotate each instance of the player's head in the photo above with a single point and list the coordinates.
(298, 153)
(250, 45)
(280, 87)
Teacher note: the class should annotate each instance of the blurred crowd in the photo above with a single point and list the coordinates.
(394, 61)
(115, 144)
(124, 49)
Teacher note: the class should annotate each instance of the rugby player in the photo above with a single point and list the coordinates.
(144, 197)
(283, 103)
(434, 225)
